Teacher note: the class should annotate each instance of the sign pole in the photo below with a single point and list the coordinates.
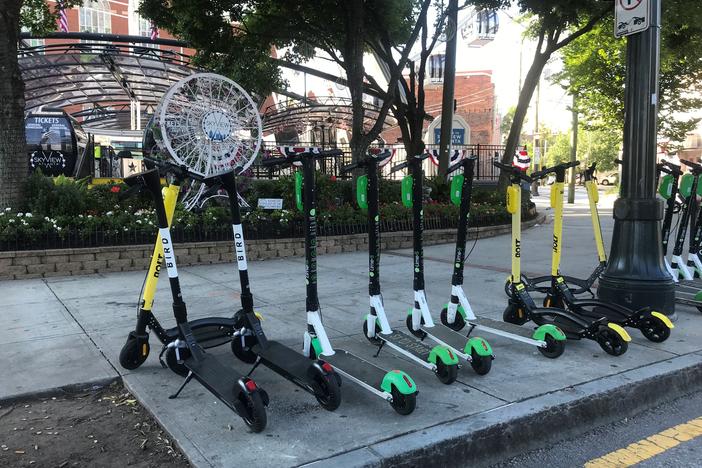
(635, 276)
(448, 89)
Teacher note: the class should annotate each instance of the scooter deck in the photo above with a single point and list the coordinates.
(504, 329)
(356, 369)
(284, 360)
(209, 332)
(444, 334)
(689, 286)
(220, 380)
(407, 344)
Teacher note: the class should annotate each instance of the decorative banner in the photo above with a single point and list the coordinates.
(454, 156)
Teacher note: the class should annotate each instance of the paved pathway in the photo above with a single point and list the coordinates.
(63, 331)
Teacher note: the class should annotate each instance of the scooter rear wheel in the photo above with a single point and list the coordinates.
(328, 393)
(446, 373)
(611, 342)
(457, 325)
(654, 329)
(554, 348)
(403, 403)
(255, 411)
(480, 364)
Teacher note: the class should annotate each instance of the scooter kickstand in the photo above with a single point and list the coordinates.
(258, 361)
(188, 378)
(382, 343)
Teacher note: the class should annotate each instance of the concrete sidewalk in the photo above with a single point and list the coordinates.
(64, 331)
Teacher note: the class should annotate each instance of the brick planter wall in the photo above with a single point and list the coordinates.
(27, 264)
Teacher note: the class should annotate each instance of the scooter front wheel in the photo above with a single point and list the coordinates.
(418, 333)
(458, 323)
(611, 342)
(172, 361)
(243, 350)
(374, 340)
(134, 352)
(654, 329)
(403, 403)
(554, 348)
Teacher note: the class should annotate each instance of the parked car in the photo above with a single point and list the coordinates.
(608, 179)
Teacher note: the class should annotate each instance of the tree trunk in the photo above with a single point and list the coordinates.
(515, 131)
(13, 158)
(353, 57)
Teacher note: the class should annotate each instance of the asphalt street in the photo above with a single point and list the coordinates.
(669, 435)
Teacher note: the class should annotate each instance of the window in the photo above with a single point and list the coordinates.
(31, 43)
(144, 27)
(436, 67)
(95, 17)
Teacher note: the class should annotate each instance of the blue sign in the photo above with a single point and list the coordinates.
(458, 136)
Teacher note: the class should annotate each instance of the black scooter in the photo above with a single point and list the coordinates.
(241, 394)
(250, 343)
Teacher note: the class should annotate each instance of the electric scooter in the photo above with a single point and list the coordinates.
(612, 338)
(688, 191)
(688, 291)
(250, 343)
(655, 326)
(458, 311)
(396, 387)
(419, 321)
(210, 331)
(376, 327)
(241, 394)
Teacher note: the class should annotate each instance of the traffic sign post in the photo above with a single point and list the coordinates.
(631, 17)
(635, 276)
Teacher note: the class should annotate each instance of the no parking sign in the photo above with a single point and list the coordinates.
(631, 17)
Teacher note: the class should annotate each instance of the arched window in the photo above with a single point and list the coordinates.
(95, 17)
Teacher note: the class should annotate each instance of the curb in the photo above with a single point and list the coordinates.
(67, 389)
(511, 429)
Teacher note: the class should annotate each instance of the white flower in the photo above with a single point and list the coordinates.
(8, 209)
(11, 220)
(28, 215)
(19, 215)
(109, 213)
(90, 216)
(46, 218)
(2, 213)
(58, 228)
(138, 221)
(80, 215)
(125, 229)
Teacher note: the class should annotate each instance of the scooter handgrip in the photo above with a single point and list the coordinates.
(691, 164)
(329, 153)
(275, 161)
(398, 167)
(350, 167)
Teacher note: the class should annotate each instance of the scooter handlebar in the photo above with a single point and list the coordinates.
(669, 168)
(696, 167)
(417, 158)
(515, 171)
(544, 172)
(461, 163)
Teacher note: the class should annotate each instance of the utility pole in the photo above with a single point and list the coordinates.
(537, 141)
(449, 83)
(635, 275)
(573, 149)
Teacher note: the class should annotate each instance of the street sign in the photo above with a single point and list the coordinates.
(270, 203)
(631, 17)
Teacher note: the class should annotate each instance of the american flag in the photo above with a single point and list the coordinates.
(63, 17)
(154, 31)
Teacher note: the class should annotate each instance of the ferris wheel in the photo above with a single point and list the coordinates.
(209, 124)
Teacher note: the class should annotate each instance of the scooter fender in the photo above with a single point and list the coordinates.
(551, 330)
(244, 384)
(317, 346)
(698, 296)
(402, 382)
(479, 345)
(443, 354)
(663, 318)
(620, 331)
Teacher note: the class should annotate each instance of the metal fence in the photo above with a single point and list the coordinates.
(484, 170)
(74, 238)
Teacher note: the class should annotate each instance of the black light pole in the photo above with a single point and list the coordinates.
(449, 84)
(635, 275)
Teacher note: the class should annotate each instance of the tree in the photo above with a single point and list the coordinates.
(594, 146)
(37, 16)
(236, 38)
(595, 68)
(553, 24)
